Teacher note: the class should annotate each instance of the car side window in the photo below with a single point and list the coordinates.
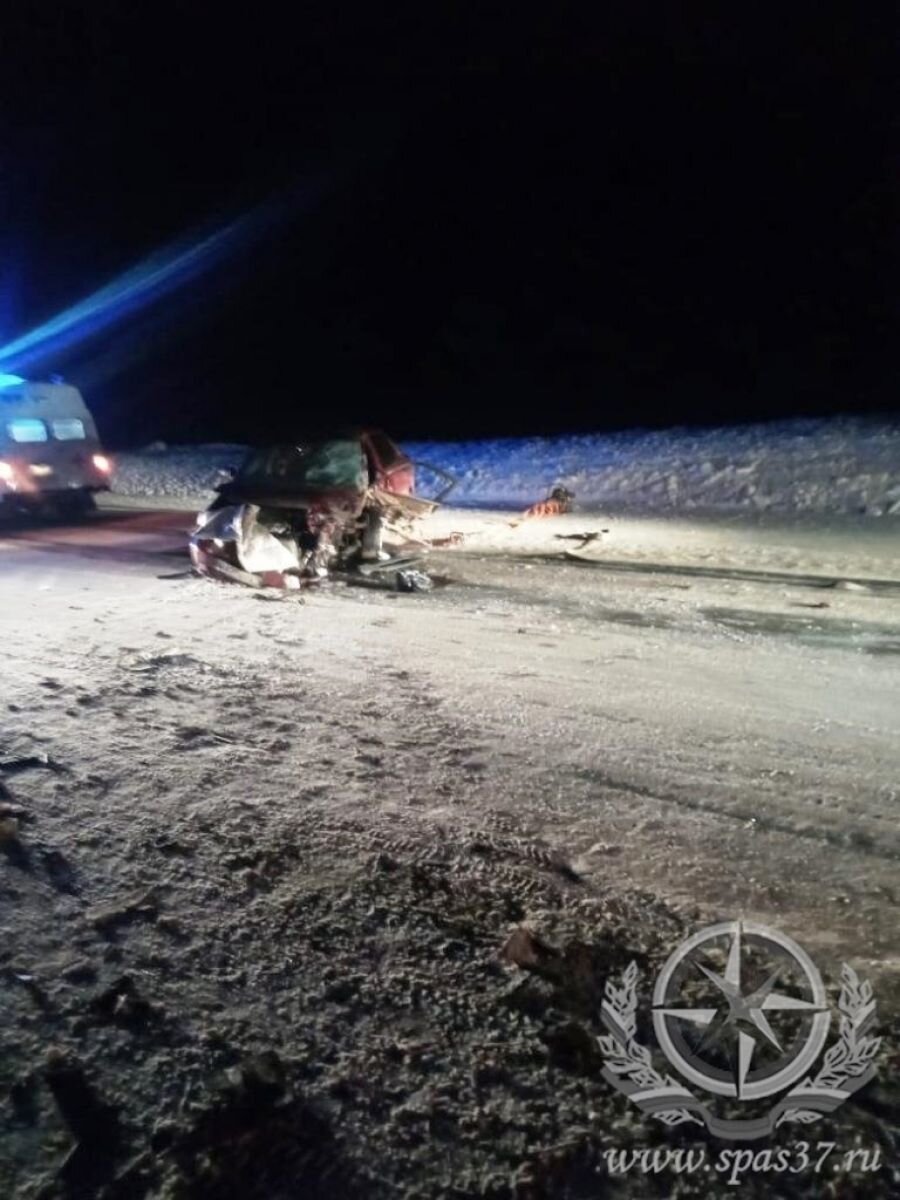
(27, 429)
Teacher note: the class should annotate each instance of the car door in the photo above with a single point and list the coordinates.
(393, 471)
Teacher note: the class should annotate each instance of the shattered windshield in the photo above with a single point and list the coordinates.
(322, 465)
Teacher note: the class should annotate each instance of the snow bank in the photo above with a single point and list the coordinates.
(834, 465)
(185, 473)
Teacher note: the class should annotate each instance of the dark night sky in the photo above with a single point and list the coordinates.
(570, 222)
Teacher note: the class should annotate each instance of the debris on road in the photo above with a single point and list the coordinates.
(590, 536)
(397, 563)
(583, 539)
(413, 581)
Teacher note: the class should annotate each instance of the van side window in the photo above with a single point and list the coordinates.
(27, 429)
(68, 429)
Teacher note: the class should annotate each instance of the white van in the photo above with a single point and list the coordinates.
(50, 452)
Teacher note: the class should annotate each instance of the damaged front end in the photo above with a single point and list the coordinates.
(244, 543)
(296, 515)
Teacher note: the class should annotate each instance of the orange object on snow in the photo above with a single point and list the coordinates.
(558, 502)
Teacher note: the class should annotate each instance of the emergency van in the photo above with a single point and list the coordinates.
(51, 459)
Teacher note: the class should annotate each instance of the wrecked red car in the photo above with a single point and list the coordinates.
(295, 512)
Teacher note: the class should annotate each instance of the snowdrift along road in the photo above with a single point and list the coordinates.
(831, 466)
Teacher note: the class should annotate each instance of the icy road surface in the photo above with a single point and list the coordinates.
(292, 836)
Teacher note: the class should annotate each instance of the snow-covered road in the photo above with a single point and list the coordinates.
(297, 831)
(719, 705)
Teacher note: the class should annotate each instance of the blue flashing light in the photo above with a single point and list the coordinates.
(10, 380)
(149, 281)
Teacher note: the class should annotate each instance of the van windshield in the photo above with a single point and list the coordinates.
(68, 429)
(27, 429)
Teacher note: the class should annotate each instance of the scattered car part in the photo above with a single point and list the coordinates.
(410, 580)
(397, 562)
(449, 480)
(583, 539)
